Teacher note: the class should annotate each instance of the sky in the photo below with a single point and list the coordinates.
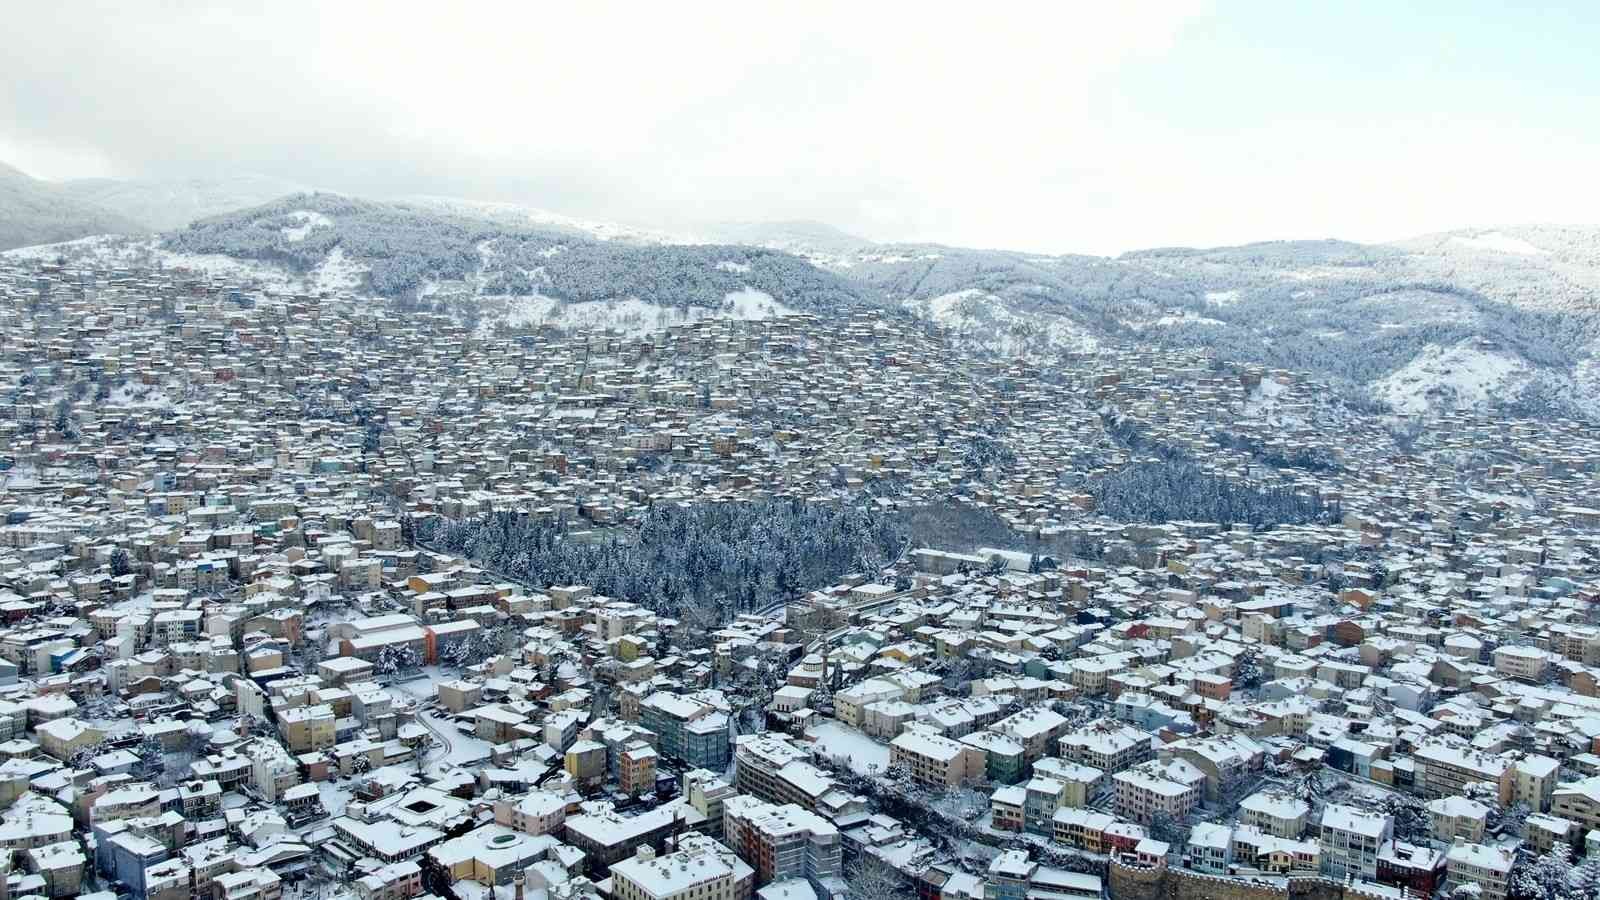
(1051, 127)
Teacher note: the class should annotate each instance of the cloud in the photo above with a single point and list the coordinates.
(989, 124)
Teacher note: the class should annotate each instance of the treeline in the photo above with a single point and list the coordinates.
(1363, 313)
(1311, 459)
(1170, 490)
(721, 558)
(407, 246)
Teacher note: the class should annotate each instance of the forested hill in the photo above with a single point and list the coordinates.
(1507, 317)
(38, 212)
(408, 248)
(1483, 318)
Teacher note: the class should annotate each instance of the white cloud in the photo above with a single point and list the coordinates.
(989, 124)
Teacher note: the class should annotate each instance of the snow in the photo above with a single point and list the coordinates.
(139, 396)
(309, 220)
(729, 265)
(101, 245)
(1222, 298)
(629, 316)
(334, 797)
(983, 318)
(460, 749)
(605, 231)
(335, 274)
(834, 738)
(756, 305)
(1263, 401)
(1185, 318)
(1462, 375)
(1499, 242)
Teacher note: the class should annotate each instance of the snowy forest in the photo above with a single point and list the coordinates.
(737, 557)
(1170, 491)
(408, 246)
(1351, 312)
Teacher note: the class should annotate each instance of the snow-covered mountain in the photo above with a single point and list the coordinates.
(1505, 316)
(517, 215)
(39, 212)
(164, 204)
(500, 265)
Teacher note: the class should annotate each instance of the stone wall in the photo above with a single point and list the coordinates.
(1125, 882)
(1131, 882)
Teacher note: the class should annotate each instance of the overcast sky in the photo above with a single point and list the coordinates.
(1059, 127)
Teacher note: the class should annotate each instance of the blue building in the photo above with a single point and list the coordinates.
(687, 729)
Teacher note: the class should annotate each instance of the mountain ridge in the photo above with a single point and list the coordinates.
(39, 212)
(1507, 315)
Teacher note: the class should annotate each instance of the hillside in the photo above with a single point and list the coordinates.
(1506, 317)
(164, 204)
(38, 212)
(1439, 322)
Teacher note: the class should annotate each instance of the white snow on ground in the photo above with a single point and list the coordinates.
(1183, 318)
(336, 273)
(1462, 375)
(334, 797)
(1222, 298)
(834, 738)
(605, 231)
(112, 250)
(629, 316)
(109, 247)
(1263, 401)
(1517, 500)
(985, 319)
(465, 750)
(729, 265)
(140, 396)
(528, 311)
(1499, 242)
(308, 220)
(226, 267)
(753, 304)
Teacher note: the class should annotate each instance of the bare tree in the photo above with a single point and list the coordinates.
(870, 878)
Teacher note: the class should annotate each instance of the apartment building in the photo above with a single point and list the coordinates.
(777, 771)
(1531, 780)
(397, 881)
(689, 730)
(783, 842)
(1446, 765)
(1107, 746)
(1579, 802)
(1521, 662)
(936, 761)
(1351, 839)
(1276, 855)
(607, 838)
(1458, 817)
(1275, 813)
(1151, 789)
(540, 812)
(648, 878)
(1487, 867)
